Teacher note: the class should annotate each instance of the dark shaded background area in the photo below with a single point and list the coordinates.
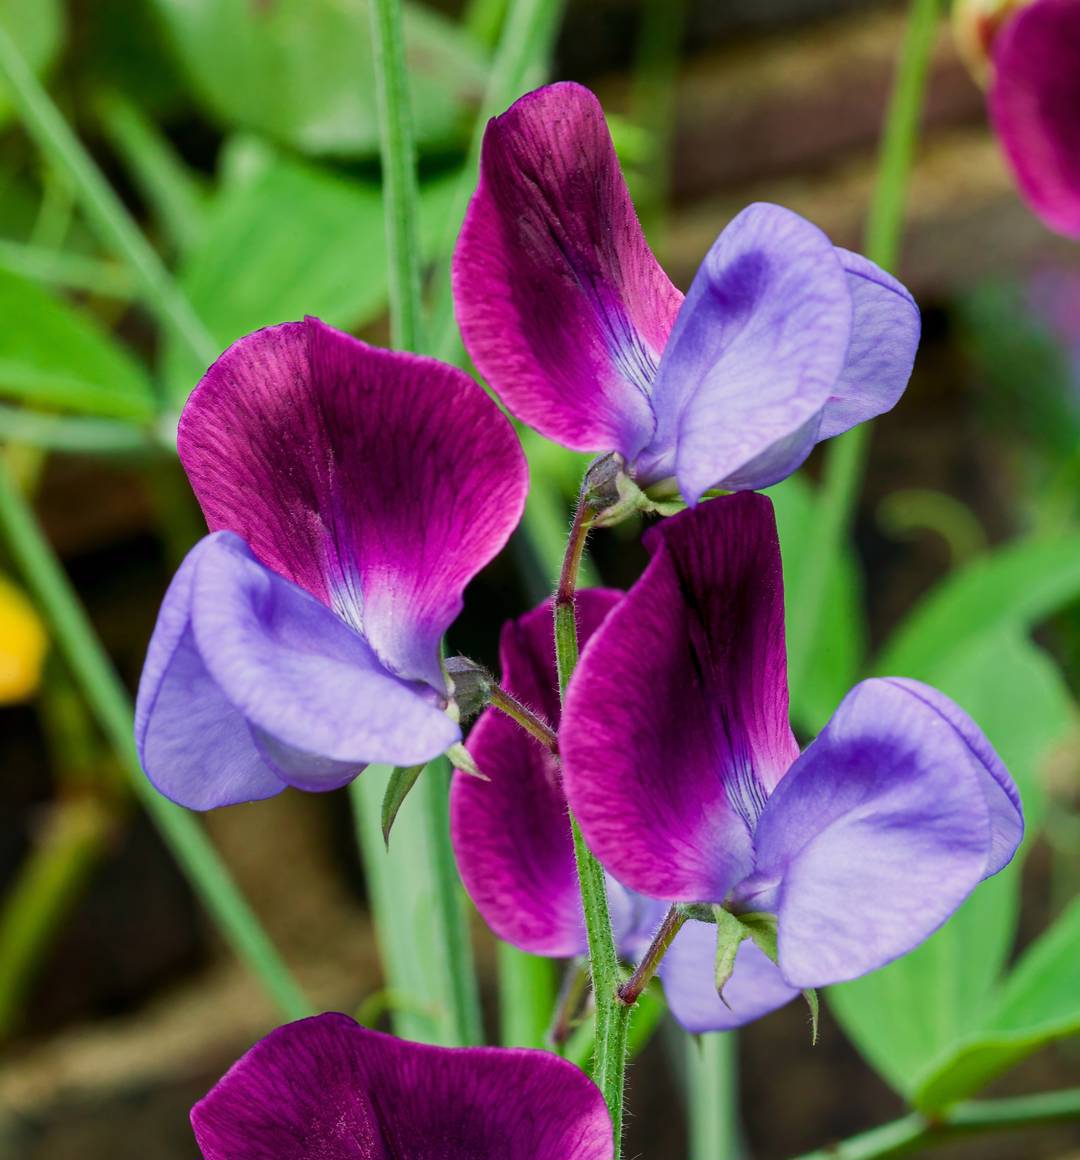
(137, 1008)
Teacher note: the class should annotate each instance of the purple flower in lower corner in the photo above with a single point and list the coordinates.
(1034, 98)
(682, 770)
(515, 850)
(783, 339)
(328, 1089)
(351, 494)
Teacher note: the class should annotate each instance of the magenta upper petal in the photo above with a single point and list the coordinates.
(1034, 97)
(688, 972)
(380, 482)
(875, 836)
(251, 684)
(676, 722)
(328, 1089)
(561, 303)
(884, 338)
(754, 356)
(511, 833)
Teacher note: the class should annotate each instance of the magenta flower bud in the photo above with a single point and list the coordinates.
(329, 1089)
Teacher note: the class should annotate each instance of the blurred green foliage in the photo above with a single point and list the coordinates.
(302, 73)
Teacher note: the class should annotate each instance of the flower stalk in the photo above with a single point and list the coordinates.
(612, 1016)
(630, 991)
(532, 724)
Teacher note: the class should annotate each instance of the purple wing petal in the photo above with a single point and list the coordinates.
(194, 745)
(511, 834)
(1002, 796)
(561, 303)
(689, 975)
(676, 723)
(380, 482)
(246, 661)
(757, 350)
(884, 339)
(876, 835)
(1034, 97)
(328, 1089)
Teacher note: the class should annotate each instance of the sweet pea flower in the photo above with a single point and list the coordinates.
(681, 767)
(351, 494)
(328, 1089)
(1034, 101)
(515, 850)
(783, 339)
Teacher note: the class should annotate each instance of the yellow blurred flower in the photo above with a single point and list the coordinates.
(23, 643)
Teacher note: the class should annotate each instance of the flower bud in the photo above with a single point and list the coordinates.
(471, 686)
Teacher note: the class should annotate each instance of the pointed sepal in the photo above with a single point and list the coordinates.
(730, 933)
(398, 788)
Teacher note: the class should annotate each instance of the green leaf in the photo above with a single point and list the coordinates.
(37, 27)
(301, 71)
(1015, 586)
(1039, 1003)
(907, 1015)
(841, 643)
(397, 790)
(284, 238)
(53, 356)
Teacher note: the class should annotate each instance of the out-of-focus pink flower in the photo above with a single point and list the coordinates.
(1035, 107)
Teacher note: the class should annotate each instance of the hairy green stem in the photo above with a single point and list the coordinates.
(102, 205)
(110, 704)
(846, 456)
(912, 1134)
(528, 32)
(612, 1016)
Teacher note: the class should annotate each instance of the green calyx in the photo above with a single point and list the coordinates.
(731, 931)
(613, 496)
